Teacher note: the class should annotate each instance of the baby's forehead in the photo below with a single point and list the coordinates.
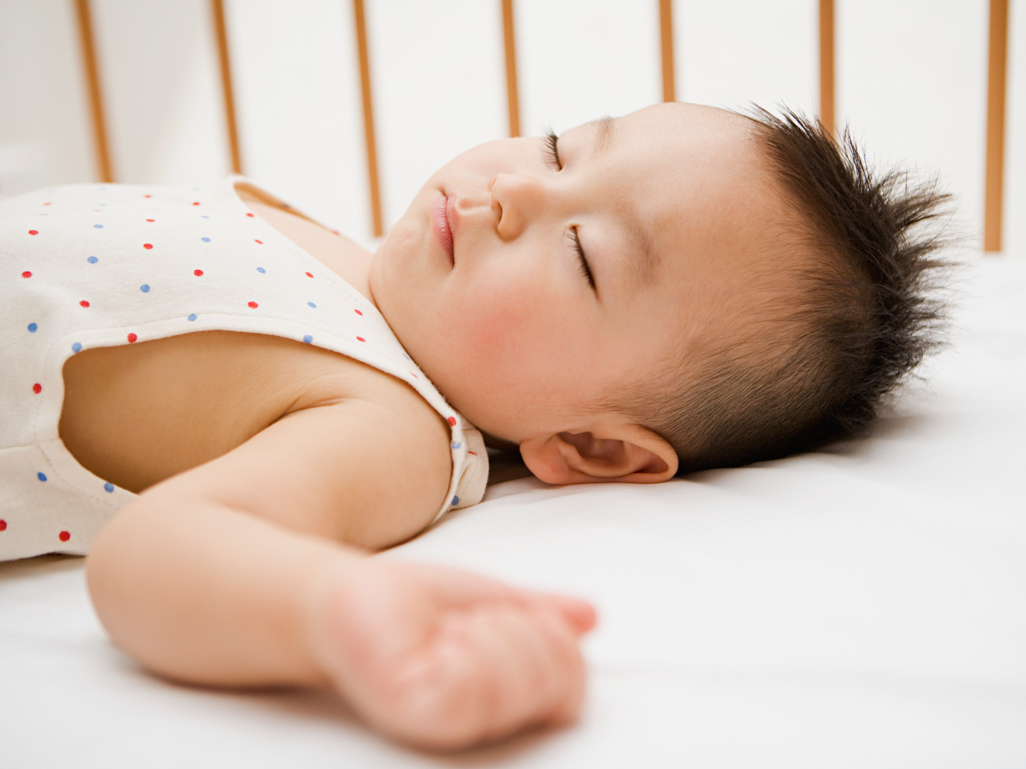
(724, 262)
(705, 193)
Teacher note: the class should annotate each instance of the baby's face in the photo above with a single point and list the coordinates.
(484, 284)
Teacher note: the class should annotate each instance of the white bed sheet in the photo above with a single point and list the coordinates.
(860, 607)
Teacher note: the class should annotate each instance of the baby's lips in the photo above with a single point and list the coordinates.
(452, 215)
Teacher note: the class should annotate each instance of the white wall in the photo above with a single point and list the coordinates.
(911, 80)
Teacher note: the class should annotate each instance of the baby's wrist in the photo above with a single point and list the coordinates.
(324, 620)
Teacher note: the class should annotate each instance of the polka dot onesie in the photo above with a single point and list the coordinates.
(90, 265)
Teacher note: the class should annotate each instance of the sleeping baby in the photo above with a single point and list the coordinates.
(228, 406)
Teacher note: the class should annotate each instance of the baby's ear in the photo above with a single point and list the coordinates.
(627, 453)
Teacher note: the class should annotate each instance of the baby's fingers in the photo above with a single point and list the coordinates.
(564, 638)
(580, 614)
(529, 670)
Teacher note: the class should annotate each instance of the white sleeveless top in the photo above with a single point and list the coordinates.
(98, 265)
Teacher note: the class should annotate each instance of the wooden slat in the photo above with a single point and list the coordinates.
(88, 45)
(666, 41)
(368, 119)
(826, 65)
(221, 32)
(996, 89)
(512, 92)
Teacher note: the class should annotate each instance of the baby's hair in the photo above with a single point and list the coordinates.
(865, 316)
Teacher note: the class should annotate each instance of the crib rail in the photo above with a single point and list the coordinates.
(996, 95)
(997, 83)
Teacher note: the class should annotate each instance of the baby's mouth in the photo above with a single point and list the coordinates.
(441, 226)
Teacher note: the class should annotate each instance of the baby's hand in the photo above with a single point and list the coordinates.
(445, 659)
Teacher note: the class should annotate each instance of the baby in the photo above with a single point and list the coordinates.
(680, 288)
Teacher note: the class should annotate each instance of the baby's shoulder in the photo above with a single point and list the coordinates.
(322, 377)
(359, 456)
(374, 457)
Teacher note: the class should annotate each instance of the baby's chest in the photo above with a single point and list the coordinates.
(137, 414)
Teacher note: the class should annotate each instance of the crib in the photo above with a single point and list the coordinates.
(859, 606)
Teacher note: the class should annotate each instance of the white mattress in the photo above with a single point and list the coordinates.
(860, 607)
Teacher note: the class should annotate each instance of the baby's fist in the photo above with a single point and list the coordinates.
(445, 659)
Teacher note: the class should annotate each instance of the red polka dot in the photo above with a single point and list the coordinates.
(33, 232)
(132, 337)
(452, 421)
(251, 215)
(64, 536)
(46, 204)
(147, 245)
(84, 303)
(37, 388)
(147, 196)
(197, 273)
(258, 241)
(358, 312)
(309, 274)
(195, 203)
(3, 524)
(254, 305)
(26, 274)
(415, 376)
(360, 339)
(151, 220)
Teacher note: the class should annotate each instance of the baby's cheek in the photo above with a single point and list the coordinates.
(486, 331)
(500, 322)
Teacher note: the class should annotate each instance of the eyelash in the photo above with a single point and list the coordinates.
(551, 142)
(552, 145)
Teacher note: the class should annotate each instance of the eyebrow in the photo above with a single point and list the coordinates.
(641, 271)
(606, 128)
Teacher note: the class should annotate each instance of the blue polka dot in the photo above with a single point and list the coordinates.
(204, 216)
(308, 339)
(92, 260)
(261, 270)
(102, 204)
(40, 476)
(192, 317)
(205, 240)
(406, 356)
(98, 226)
(108, 487)
(308, 304)
(32, 327)
(145, 288)
(457, 445)
(455, 500)
(77, 347)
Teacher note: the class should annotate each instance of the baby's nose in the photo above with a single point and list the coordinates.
(515, 198)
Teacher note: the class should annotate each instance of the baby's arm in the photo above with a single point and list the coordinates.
(232, 574)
